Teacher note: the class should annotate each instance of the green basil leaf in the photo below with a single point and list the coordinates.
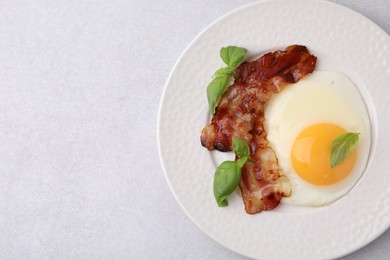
(226, 179)
(223, 72)
(228, 174)
(242, 161)
(342, 146)
(240, 147)
(215, 90)
(232, 55)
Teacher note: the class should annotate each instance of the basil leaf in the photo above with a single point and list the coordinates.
(240, 147)
(242, 161)
(226, 179)
(232, 55)
(215, 90)
(342, 146)
(223, 72)
(222, 78)
(228, 174)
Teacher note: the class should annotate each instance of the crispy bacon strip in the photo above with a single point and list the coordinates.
(240, 114)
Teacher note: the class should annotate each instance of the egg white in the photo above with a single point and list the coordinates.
(321, 97)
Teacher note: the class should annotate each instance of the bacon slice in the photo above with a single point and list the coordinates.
(240, 114)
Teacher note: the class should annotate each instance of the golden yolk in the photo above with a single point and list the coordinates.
(310, 155)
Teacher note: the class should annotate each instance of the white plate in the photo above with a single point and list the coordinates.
(342, 40)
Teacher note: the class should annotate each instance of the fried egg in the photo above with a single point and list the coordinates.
(302, 121)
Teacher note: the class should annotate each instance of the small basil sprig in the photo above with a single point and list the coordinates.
(232, 56)
(342, 147)
(228, 174)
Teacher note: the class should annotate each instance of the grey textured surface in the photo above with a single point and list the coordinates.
(80, 85)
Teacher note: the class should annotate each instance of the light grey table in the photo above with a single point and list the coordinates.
(80, 85)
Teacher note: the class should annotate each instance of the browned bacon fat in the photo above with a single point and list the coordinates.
(240, 114)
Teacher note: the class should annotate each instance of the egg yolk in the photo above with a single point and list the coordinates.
(310, 155)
